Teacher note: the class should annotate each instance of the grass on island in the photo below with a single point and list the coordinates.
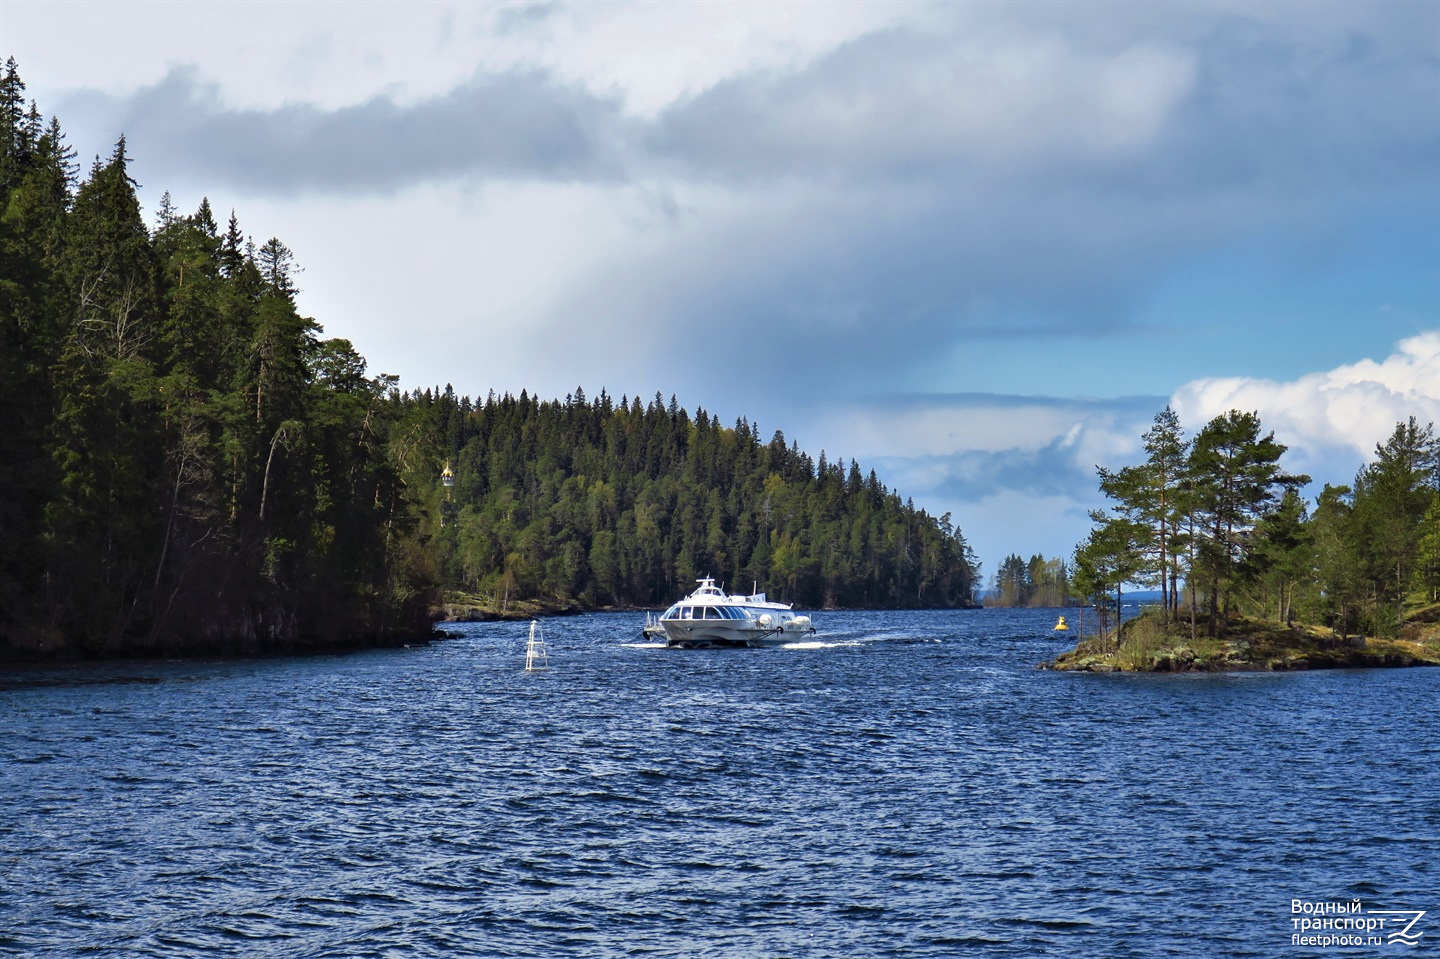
(1146, 644)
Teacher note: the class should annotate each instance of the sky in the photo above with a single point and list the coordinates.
(975, 246)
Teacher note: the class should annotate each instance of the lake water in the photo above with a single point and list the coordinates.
(906, 784)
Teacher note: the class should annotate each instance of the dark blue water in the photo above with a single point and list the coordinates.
(906, 785)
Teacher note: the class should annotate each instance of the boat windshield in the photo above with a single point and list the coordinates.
(703, 612)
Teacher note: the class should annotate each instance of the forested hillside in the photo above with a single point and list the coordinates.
(184, 463)
(187, 465)
(623, 503)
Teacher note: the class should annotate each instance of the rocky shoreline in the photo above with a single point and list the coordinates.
(1252, 646)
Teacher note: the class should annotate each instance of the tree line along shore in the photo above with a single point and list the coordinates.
(1249, 575)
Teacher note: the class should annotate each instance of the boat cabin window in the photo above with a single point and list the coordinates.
(702, 612)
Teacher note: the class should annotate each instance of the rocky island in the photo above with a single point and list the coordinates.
(1253, 645)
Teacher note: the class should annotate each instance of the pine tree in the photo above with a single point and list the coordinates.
(1110, 557)
(1236, 480)
(1149, 496)
(183, 465)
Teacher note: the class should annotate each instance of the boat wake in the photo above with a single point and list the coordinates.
(842, 640)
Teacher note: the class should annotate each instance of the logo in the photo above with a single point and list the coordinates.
(1406, 936)
(1328, 923)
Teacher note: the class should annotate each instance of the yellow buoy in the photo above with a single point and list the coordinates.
(1060, 627)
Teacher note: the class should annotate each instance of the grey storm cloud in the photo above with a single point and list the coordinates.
(867, 290)
(1202, 101)
(1211, 105)
(932, 188)
(517, 125)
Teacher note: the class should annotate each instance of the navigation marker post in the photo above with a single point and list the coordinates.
(535, 658)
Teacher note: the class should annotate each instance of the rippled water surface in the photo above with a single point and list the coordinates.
(902, 785)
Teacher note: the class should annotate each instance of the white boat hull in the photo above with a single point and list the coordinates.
(696, 634)
(708, 617)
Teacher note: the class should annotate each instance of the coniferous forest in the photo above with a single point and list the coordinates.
(187, 465)
(621, 503)
(1218, 526)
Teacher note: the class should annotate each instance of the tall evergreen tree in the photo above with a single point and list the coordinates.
(1281, 557)
(1339, 578)
(277, 267)
(1426, 578)
(1149, 496)
(1111, 556)
(1236, 479)
(1391, 497)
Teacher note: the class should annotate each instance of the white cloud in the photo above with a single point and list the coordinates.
(652, 55)
(1331, 420)
(451, 288)
(902, 103)
(940, 426)
(336, 54)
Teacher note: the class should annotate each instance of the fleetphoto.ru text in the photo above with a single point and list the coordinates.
(1330, 923)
